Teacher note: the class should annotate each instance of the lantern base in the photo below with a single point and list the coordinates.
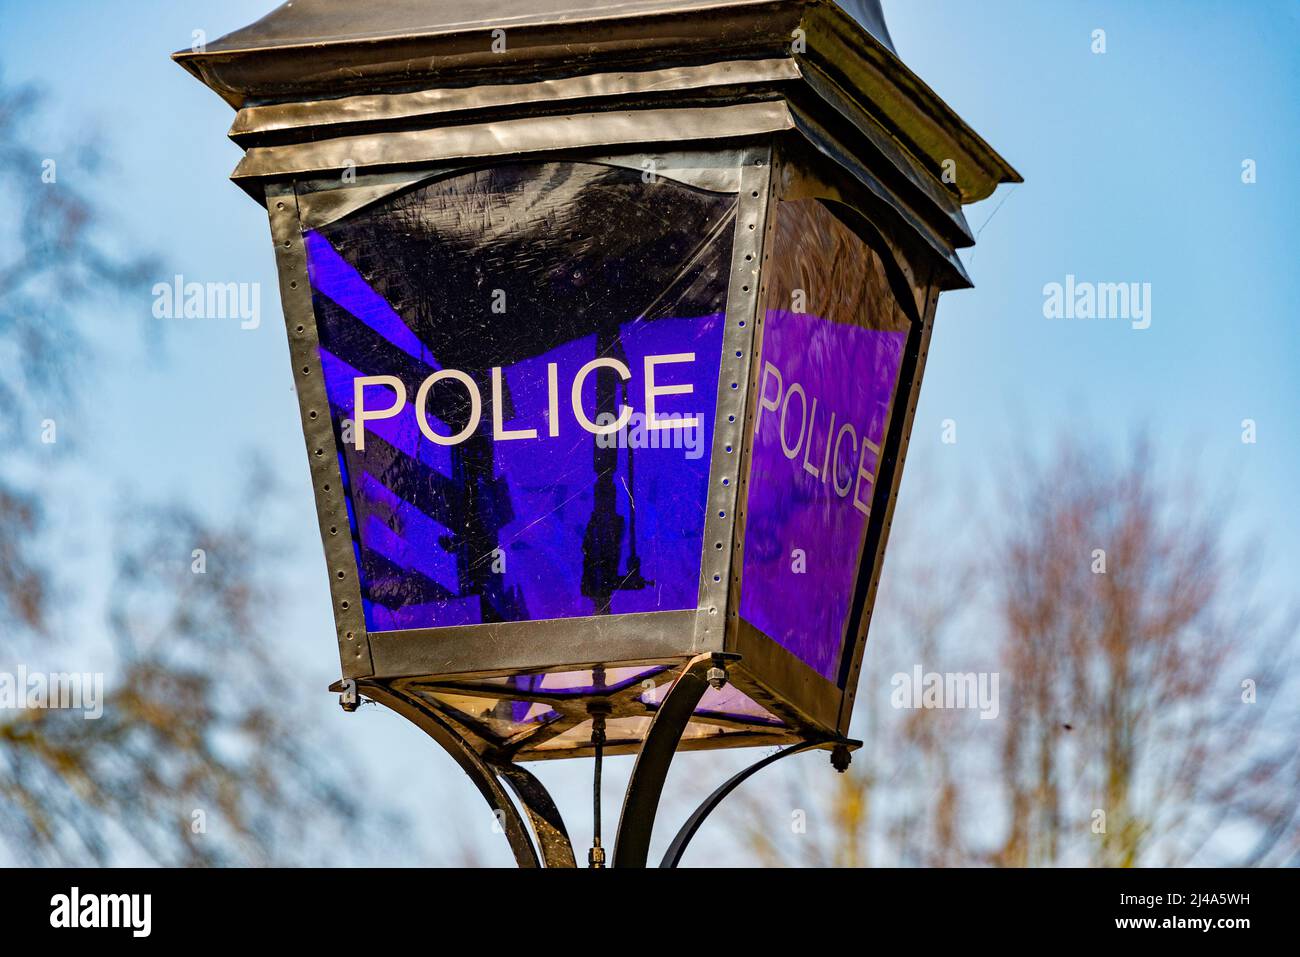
(549, 844)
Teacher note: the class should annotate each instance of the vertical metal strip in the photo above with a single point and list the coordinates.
(318, 430)
(734, 380)
(764, 232)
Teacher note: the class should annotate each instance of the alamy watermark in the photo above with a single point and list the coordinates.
(179, 299)
(946, 690)
(133, 912)
(38, 690)
(671, 430)
(1098, 300)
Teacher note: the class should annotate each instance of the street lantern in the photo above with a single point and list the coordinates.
(608, 320)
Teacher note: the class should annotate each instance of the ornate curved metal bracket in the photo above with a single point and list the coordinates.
(641, 801)
(548, 827)
(479, 771)
(678, 847)
(644, 789)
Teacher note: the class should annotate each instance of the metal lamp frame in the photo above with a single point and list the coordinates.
(394, 668)
(767, 171)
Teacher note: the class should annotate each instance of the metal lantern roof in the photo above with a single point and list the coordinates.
(313, 22)
(320, 87)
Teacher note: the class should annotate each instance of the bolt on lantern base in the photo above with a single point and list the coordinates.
(608, 320)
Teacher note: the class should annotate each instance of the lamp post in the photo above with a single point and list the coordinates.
(608, 321)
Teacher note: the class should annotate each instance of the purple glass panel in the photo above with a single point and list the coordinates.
(522, 310)
(825, 389)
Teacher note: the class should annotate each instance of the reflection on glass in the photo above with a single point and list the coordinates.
(521, 364)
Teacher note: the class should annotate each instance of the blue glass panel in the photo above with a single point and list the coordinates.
(493, 326)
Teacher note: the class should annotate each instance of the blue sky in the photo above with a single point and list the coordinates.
(1132, 161)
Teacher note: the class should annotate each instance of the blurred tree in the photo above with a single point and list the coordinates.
(1130, 623)
(54, 259)
(1146, 714)
(201, 756)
